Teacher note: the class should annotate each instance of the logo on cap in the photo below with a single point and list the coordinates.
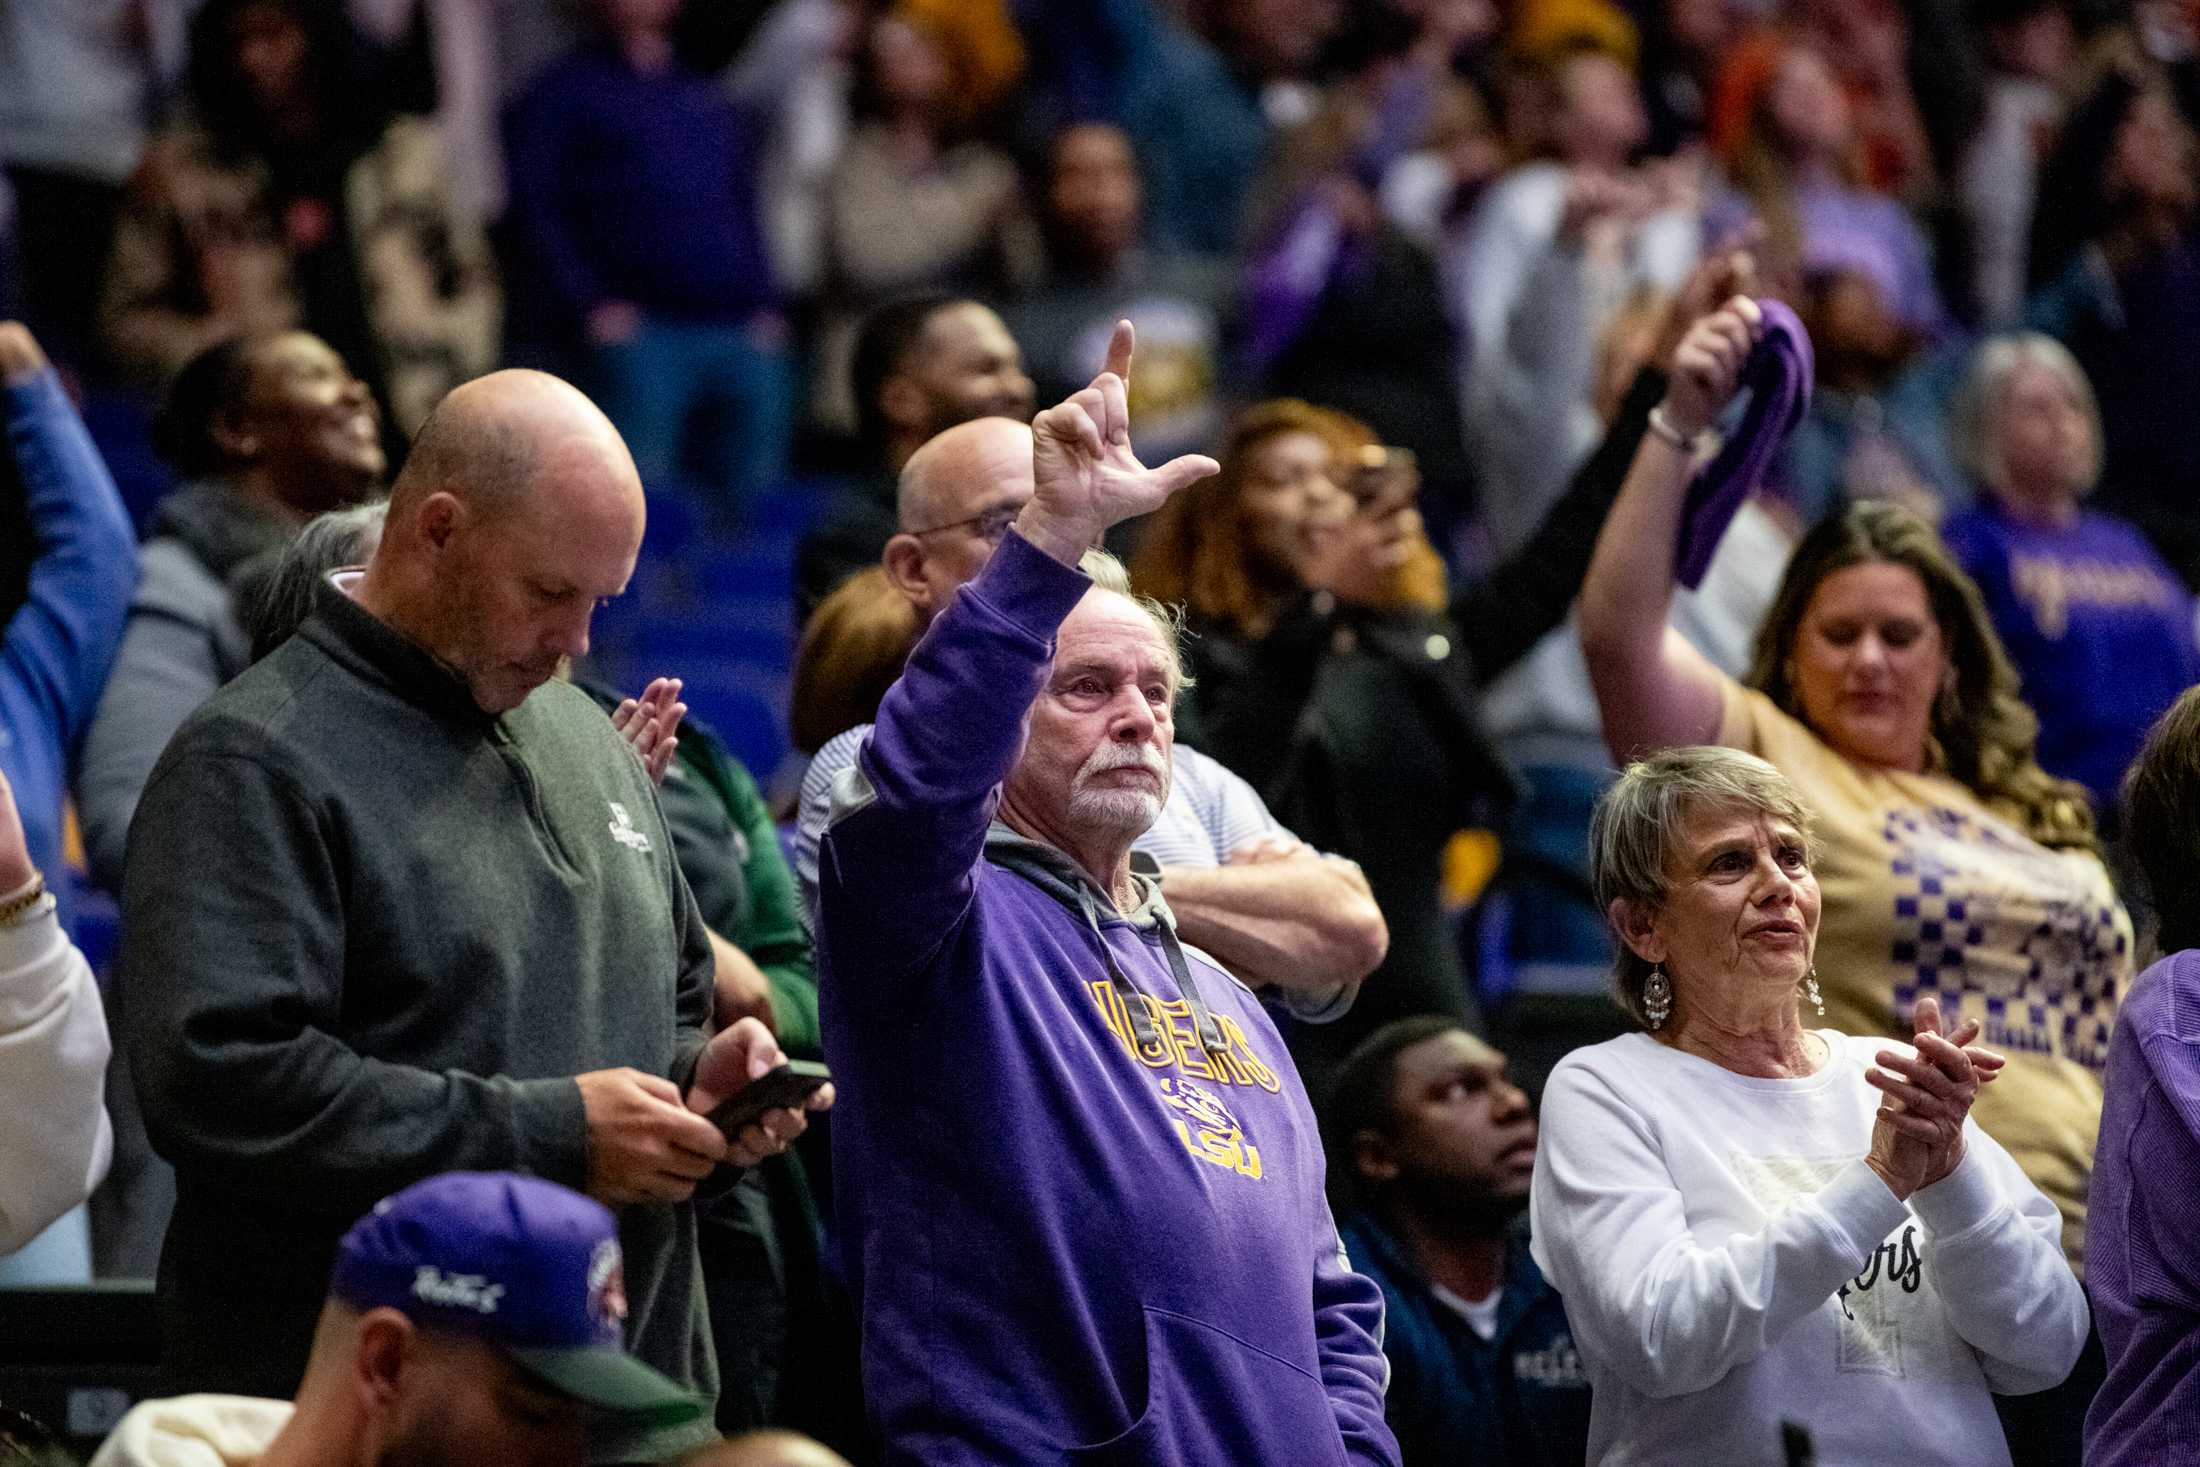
(431, 1285)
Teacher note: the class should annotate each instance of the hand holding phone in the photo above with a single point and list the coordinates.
(1384, 475)
(785, 1087)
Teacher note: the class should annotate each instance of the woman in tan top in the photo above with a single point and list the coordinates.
(1954, 865)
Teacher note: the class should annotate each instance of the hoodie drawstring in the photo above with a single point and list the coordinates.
(1203, 1022)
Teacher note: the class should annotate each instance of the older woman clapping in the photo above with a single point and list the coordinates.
(1753, 1222)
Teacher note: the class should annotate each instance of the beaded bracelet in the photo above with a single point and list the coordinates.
(17, 909)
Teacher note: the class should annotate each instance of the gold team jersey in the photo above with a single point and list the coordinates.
(1927, 892)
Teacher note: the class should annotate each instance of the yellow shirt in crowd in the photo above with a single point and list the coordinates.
(1926, 891)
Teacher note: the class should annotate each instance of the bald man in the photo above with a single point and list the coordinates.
(401, 902)
(1300, 926)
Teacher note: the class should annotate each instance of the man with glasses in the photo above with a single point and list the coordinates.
(1280, 915)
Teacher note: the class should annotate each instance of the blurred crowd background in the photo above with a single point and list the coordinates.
(1451, 218)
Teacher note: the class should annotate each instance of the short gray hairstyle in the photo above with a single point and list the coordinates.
(1108, 574)
(1636, 831)
(1981, 408)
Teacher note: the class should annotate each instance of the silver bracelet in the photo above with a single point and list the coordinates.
(1661, 426)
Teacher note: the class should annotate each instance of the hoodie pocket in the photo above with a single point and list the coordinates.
(1213, 1400)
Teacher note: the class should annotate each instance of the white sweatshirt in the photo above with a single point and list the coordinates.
(55, 1140)
(1729, 1263)
(194, 1431)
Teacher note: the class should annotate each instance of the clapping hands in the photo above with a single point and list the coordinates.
(1918, 1137)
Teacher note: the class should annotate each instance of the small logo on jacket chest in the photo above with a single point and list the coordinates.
(622, 828)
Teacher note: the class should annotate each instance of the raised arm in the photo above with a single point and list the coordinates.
(1502, 616)
(1653, 689)
(897, 866)
(166, 667)
(1671, 1315)
(61, 643)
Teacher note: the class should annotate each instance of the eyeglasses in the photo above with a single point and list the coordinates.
(990, 525)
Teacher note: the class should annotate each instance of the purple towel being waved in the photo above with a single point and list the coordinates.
(1778, 375)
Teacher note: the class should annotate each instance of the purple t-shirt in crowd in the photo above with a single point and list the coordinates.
(2100, 628)
(1072, 1236)
(2141, 1266)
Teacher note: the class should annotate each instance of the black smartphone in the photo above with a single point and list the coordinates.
(1379, 467)
(784, 1088)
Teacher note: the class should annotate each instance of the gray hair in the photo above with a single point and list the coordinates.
(1981, 408)
(277, 597)
(1636, 832)
(1108, 573)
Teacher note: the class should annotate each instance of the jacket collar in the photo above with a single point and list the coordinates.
(373, 648)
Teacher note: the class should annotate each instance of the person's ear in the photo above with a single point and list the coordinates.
(1372, 1157)
(901, 402)
(383, 1343)
(233, 434)
(903, 562)
(1637, 928)
(442, 516)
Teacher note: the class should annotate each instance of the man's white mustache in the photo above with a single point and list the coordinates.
(1126, 756)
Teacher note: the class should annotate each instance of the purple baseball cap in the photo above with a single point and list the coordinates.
(523, 1264)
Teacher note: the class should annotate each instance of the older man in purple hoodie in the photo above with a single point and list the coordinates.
(1080, 1183)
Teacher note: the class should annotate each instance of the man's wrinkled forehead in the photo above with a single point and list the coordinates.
(1108, 629)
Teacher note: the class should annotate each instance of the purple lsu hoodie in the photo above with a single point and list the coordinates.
(1068, 1243)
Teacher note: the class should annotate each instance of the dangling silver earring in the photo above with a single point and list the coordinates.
(1810, 991)
(1657, 998)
